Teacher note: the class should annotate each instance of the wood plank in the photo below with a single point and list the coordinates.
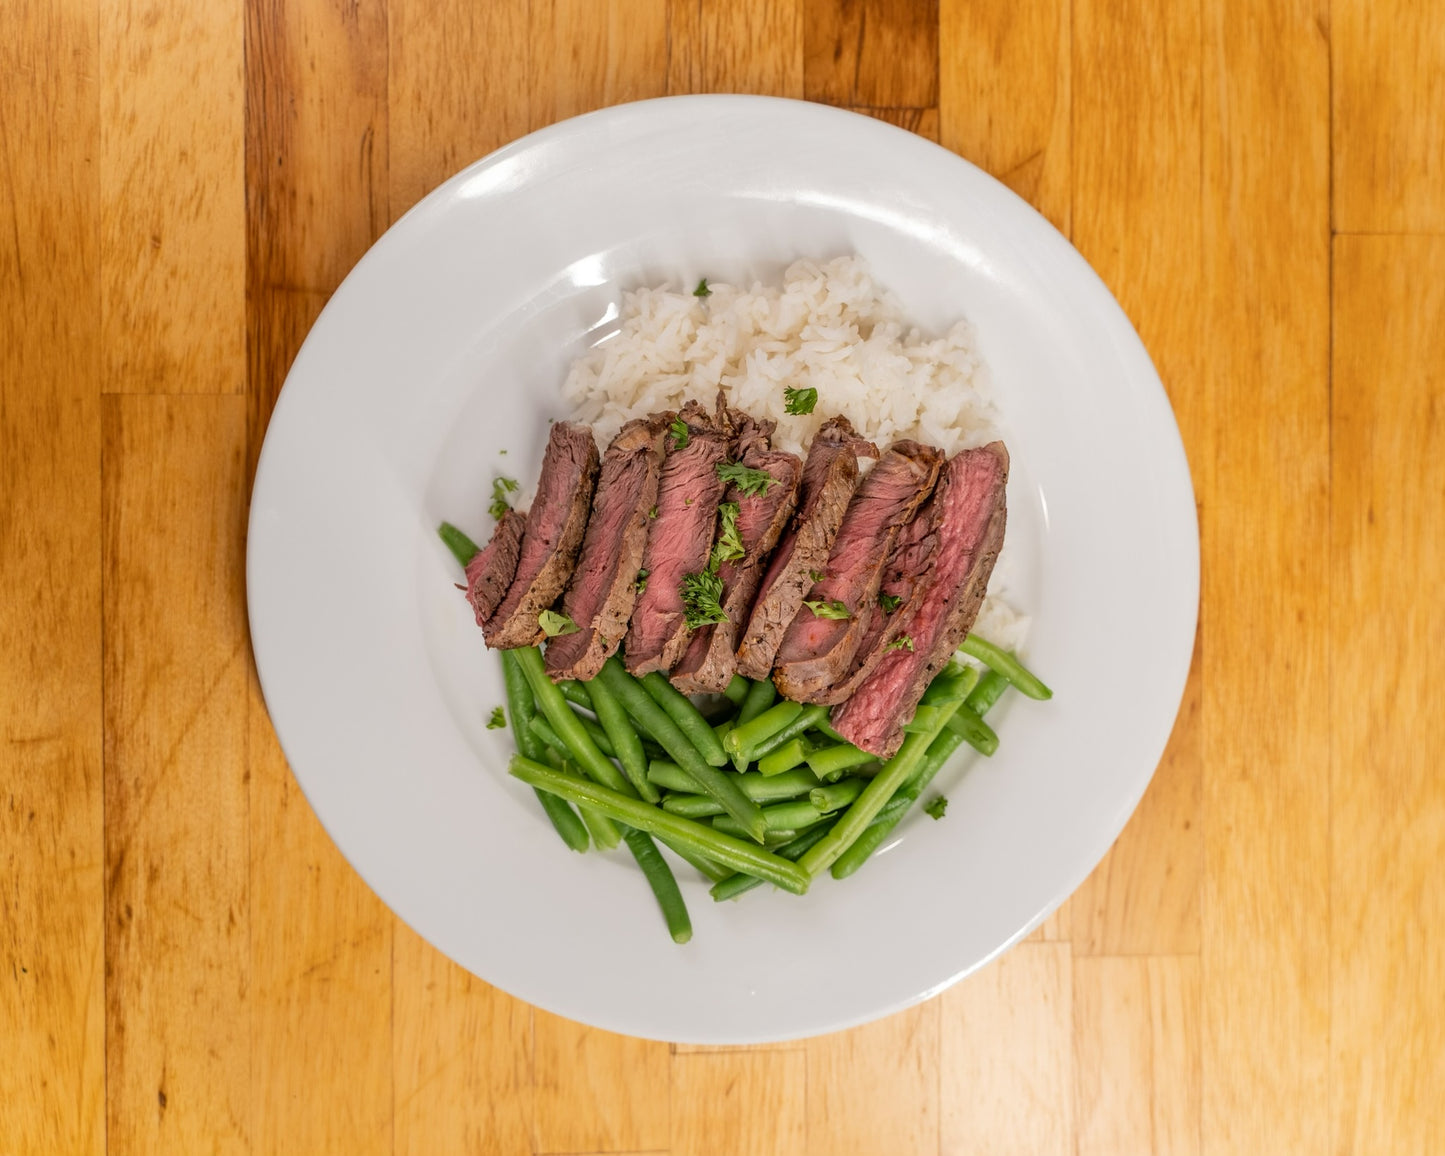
(52, 1070)
(597, 1091)
(177, 901)
(587, 54)
(1388, 61)
(1387, 863)
(1137, 1045)
(172, 222)
(875, 1088)
(1004, 95)
(1006, 1072)
(873, 53)
(752, 1102)
(736, 46)
(1137, 218)
(457, 89)
(462, 1058)
(1265, 501)
(316, 149)
(923, 121)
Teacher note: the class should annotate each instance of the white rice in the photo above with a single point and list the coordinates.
(829, 326)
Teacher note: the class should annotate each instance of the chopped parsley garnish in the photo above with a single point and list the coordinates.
(834, 609)
(729, 547)
(889, 602)
(680, 433)
(687, 501)
(750, 483)
(702, 290)
(554, 624)
(502, 452)
(498, 719)
(652, 513)
(903, 642)
(799, 400)
(702, 599)
(501, 487)
(641, 582)
(815, 575)
(935, 807)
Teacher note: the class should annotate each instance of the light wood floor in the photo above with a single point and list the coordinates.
(186, 962)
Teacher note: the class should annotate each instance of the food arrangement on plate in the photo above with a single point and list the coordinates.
(749, 627)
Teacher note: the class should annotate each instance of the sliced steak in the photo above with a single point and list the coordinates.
(603, 588)
(829, 476)
(972, 518)
(491, 571)
(678, 541)
(554, 532)
(906, 578)
(817, 651)
(709, 663)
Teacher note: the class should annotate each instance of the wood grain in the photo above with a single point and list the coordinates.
(462, 1058)
(597, 1091)
(172, 222)
(875, 1089)
(1006, 1061)
(317, 196)
(1137, 1052)
(52, 1013)
(586, 54)
(923, 121)
(1004, 95)
(726, 46)
(1265, 504)
(753, 1102)
(871, 53)
(1387, 841)
(1388, 69)
(177, 899)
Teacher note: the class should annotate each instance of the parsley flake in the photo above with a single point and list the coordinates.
(815, 575)
(652, 513)
(729, 547)
(750, 483)
(702, 599)
(903, 642)
(498, 719)
(702, 290)
(641, 582)
(799, 400)
(680, 433)
(554, 624)
(935, 807)
(889, 602)
(501, 487)
(834, 609)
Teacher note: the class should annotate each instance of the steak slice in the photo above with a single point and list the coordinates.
(970, 534)
(709, 663)
(554, 532)
(906, 577)
(493, 567)
(678, 541)
(818, 651)
(603, 588)
(829, 476)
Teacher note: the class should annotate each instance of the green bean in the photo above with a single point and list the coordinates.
(875, 796)
(830, 798)
(721, 729)
(737, 882)
(626, 743)
(855, 856)
(541, 730)
(925, 718)
(737, 690)
(709, 780)
(692, 806)
(576, 693)
(780, 817)
(1007, 665)
(463, 548)
(670, 777)
(826, 728)
(744, 738)
(785, 758)
(707, 868)
(567, 725)
(806, 721)
(521, 710)
(735, 853)
(760, 697)
(973, 730)
(688, 718)
(989, 690)
(603, 831)
(664, 886)
(833, 760)
(760, 789)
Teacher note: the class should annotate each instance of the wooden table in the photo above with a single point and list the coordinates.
(186, 962)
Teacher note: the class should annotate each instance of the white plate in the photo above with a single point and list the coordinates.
(447, 344)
